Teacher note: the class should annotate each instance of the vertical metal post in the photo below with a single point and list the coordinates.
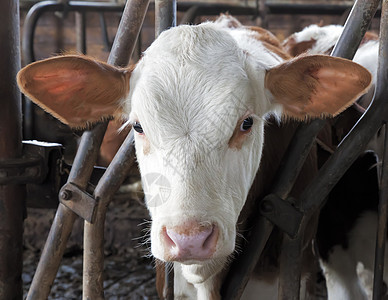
(11, 196)
(165, 18)
(381, 236)
(165, 15)
(80, 26)
(122, 49)
(94, 232)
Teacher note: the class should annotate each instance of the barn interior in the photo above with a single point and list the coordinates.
(48, 28)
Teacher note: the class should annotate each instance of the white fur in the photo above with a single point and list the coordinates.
(367, 56)
(208, 82)
(365, 278)
(342, 278)
(325, 37)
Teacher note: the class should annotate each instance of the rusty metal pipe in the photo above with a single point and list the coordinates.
(381, 236)
(39, 8)
(165, 15)
(94, 232)
(122, 49)
(64, 218)
(165, 18)
(80, 26)
(12, 197)
(128, 32)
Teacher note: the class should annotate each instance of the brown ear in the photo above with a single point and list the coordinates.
(75, 89)
(317, 85)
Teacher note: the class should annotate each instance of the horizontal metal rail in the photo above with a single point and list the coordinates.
(38, 9)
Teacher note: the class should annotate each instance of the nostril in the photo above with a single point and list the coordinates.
(166, 237)
(190, 237)
(211, 240)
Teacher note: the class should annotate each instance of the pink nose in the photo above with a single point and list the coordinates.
(190, 241)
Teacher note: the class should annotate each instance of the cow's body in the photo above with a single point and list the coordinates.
(347, 229)
(199, 100)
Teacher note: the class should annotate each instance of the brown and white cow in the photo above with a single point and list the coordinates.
(347, 228)
(199, 100)
(316, 39)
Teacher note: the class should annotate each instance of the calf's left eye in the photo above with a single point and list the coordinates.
(246, 124)
(138, 127)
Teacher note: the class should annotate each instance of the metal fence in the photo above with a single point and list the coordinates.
(15, 160)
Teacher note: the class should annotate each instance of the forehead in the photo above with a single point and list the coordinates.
(185, 83)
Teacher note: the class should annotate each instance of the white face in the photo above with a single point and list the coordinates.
(200, 147)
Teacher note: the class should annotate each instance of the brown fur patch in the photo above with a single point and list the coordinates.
(369, 36)
(295, 49)
(112, 141)
(160, 277)
(269, 41)
(265, 36)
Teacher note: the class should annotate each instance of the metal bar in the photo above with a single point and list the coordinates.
(165, 15)
(104, 32)
(128, 32)
(12, 207)
(80, 28)
(242, 267)
(306, 9)
(292, 255)
(290, 261)
(304, 138)
(381, 236)
(93, 237)
(262, 11)
(165, 18)
(190, 15)
(64, 219)
(122, 49)
(272, 7)
(38, 9)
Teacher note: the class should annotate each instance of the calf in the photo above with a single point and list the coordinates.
(347, 228)
(199, 100)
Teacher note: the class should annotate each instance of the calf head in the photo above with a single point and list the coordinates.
(198, 101)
